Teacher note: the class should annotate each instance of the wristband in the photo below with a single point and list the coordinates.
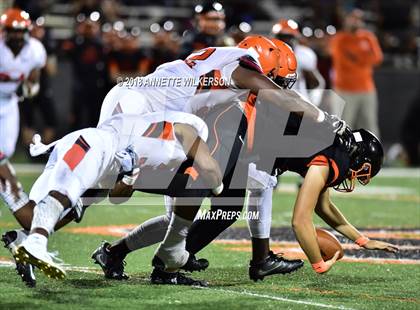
(361, 241)
(320, 267)
(218, 190)
(131, 179)
(321, 117)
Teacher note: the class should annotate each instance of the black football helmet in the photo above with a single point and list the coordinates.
(366, 159)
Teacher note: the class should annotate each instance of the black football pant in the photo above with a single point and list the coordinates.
(227, 130)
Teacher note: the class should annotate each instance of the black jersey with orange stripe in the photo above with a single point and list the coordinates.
(336, 157)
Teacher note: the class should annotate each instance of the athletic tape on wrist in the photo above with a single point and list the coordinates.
(218, 190)
(320, 267)
(129, 180)
(361, 241)
(321, 117)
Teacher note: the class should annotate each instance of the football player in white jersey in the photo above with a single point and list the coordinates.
(21, 59)
(243, 71)
(84, 159)
(310, 83)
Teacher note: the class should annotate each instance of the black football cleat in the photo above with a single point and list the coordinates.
(194, 264)
(24, 270)
(112, 265)
(160, 276)
(273, 264)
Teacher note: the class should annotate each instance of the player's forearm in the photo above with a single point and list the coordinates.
(210, 172)
(120, 193)
(269, 92)
(336, 220)
(305, 234)
(289, 100)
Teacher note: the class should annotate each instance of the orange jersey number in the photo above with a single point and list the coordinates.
(203, 55)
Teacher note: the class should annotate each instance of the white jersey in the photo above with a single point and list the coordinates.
(15, 69)
(86, 158)
(307, 61)
(173, 84)
(152, 136)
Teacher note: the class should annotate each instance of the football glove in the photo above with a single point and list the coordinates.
(337, 125)
(128, 159)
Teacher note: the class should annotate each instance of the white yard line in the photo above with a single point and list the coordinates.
(92, 270)
(277, 298)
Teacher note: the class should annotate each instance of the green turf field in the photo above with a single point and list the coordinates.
(349, 285)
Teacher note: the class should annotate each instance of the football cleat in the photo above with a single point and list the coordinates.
(273, 264)
(79, 210)
(160, 276)
(194, 264)
(11, 240)
(112, 265)
(31, 252)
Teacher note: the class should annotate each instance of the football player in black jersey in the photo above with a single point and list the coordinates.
(347, 161)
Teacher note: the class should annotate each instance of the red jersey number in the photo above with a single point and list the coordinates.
(203, 55)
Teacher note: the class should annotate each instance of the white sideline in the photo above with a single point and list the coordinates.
(294, 301)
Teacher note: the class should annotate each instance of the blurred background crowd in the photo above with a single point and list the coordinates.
(91, 43)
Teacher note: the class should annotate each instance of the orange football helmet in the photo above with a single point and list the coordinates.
(286, 75)
(286, 27)
(16, 19)
(267, 52)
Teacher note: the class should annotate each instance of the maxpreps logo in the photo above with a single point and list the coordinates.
(227, 215)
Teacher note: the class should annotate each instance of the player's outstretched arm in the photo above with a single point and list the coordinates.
(302, 221)
(121, 193)
(326, 209)
(331, 215)
(254, 81)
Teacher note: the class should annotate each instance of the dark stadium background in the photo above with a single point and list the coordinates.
(159, 27)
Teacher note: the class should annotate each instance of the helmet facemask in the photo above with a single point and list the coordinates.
(286, 82)
(15, 38)
(366, 159)
(362, 175)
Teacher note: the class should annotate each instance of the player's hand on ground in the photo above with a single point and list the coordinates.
(332, 261)
(380, 245)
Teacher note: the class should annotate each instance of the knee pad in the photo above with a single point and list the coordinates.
(46, 214)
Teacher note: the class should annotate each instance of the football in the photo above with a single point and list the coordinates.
(328, 244)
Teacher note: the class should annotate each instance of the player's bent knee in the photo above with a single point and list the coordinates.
(63, 199)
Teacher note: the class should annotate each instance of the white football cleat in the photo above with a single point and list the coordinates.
(34, 251)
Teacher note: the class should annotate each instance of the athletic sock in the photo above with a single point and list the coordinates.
(46, 214)
(172, 250)
(118, 249)
(37, 239)
(150, 232)
(260, 249)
